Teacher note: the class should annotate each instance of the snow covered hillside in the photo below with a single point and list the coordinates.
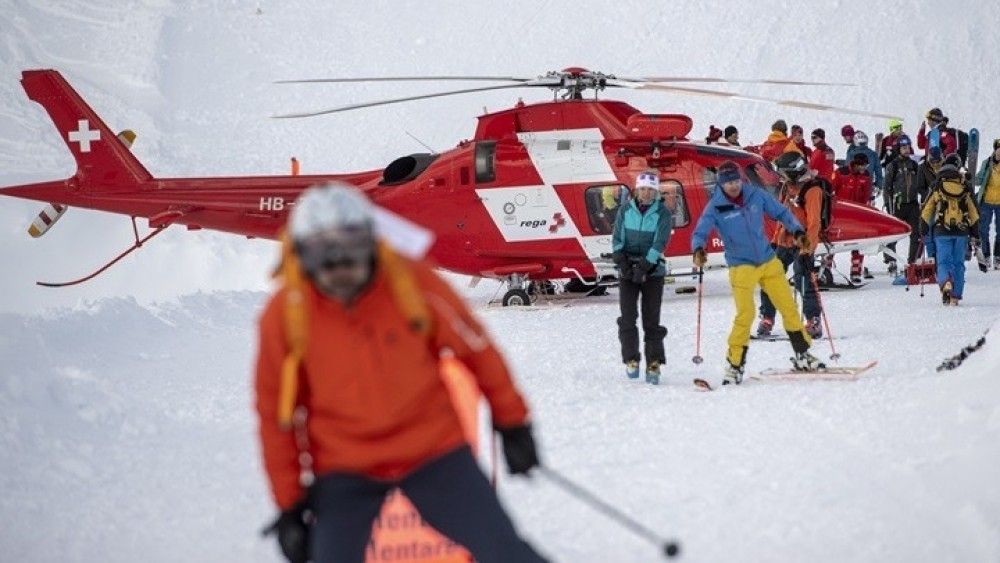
(193, 79)
(126, 429)
(128, 434)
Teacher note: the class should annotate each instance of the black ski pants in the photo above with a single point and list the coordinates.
(648, 295)
(802, 279)
(451, 494)
(910, 213)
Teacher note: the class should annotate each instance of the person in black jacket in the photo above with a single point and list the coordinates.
(903, 195)
(927, 174)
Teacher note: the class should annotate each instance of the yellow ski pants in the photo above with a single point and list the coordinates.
(744, 279)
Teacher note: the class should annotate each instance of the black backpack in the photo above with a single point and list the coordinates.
(826, 211)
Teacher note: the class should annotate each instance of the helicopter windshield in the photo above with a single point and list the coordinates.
(763, 175)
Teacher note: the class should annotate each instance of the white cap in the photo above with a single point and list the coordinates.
(329, 206)
(647, 180)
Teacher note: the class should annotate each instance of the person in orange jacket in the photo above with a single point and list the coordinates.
(853, 183)
(802, 193)
(776, 142)
(353, 339)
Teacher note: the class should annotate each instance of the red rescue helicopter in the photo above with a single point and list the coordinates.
(530, 198)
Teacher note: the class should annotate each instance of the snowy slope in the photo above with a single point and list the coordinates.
(128, 434)
(194, 80)
(125, 424)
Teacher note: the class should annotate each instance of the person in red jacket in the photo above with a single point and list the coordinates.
(935, 119)
(823, 159)
(887, 150)
(353, 340)
(853, 183)
(847, 132)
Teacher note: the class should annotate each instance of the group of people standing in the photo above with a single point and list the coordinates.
(922, 191)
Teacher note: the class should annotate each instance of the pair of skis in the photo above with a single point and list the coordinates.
(838, 373)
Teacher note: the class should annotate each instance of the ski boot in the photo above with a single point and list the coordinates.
(732, 375)
(868, 275)
(946, 293)
(653, 373)
(814, 327)
(955, 301)
(996, 262)
(804, 361)
(765, 326)
(632, 369)
(893, 269)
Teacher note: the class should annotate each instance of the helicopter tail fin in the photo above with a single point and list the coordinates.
(103, 159)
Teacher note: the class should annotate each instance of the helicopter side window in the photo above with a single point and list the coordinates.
(485, 160)
(672, 194)
(763, 175)
(602, 206)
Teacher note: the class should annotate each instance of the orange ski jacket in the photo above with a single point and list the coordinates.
(370, 383)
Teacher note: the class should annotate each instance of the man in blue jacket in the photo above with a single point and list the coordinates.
(736, 211)
(642, 231)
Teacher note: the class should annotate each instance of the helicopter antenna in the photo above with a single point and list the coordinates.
(423, 144)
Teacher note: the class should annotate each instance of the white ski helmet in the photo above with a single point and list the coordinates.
(330, 206)
(860, 138)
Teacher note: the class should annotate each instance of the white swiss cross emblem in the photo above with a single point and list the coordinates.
(84, 135)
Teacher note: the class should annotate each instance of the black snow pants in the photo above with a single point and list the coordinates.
(451, 494)
(651, 293)
(910, 213)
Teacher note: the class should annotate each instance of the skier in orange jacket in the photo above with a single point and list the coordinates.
(353, 339)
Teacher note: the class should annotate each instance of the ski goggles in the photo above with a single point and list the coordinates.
(325, 253)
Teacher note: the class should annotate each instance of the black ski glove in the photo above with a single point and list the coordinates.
(620, 260)
(638, 274)
(650, 266)
(924, 229)
(292, 528)
(519, 449)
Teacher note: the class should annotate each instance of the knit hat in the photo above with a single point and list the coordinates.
(847, 131)
(714, 133)
(996, 144)
(648, 179)
(819, 133)
(949, 171)
(780, 125)
(728, 171)
(904, 140)
(731, 130)
(935, 114)
(860, 158)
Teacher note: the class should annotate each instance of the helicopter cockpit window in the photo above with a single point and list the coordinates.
(763, 175)
(672, 194)
(602, 206)
(486, 161)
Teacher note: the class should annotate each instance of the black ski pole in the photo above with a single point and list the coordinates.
(697, 359)
(670, 548)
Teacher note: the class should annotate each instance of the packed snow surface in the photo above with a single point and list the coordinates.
(126, 428)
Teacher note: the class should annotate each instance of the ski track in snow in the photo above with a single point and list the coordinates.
(126, 425)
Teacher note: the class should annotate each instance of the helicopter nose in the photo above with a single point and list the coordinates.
(854, 222)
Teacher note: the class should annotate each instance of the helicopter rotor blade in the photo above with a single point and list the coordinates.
(733, 81)
(403, 79)
(731, 95)
(545, 82)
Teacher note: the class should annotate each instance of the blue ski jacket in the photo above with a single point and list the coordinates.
(874, 165)
(643, 235)
(742, 228)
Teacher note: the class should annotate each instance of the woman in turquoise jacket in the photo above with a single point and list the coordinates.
(642, 231)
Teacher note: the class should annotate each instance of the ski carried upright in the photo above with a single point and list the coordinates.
(972, 166)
